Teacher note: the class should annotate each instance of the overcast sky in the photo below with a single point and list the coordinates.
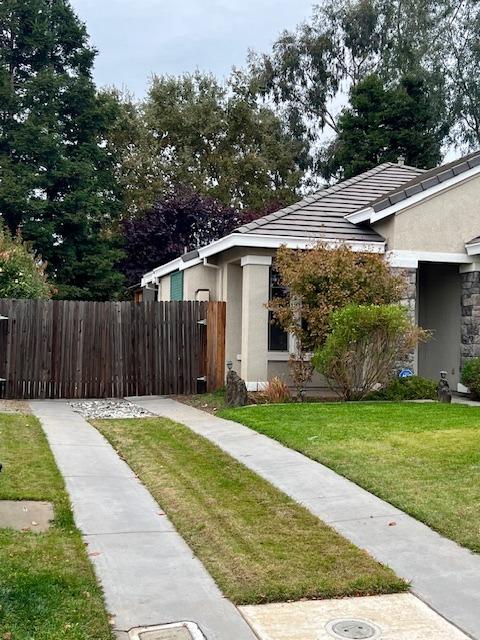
(136, 38)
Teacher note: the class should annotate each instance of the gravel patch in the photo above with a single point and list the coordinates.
(101, 409)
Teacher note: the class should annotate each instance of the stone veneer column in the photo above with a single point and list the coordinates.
(410, 301)
(470, 282)
(255, 294)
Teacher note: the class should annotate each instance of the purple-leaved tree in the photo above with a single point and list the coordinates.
(179, 221)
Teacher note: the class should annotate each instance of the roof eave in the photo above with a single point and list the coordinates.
(257, 241)
(363, 215)
(473, 249)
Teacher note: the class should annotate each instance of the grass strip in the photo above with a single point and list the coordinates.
(422, 458)
(258, 544)
(48, 588)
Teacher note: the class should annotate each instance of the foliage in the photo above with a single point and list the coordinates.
(57, 182)
(364, 343)
(311, 68)
(412, 388)
(213, 137)
(319, 281)
(462, 41)
(383, 123)
(182, 220)
(471, 375)
(22, 273)
(276, 391)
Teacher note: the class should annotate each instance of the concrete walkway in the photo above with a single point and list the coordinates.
(443, 574)
(148, 573)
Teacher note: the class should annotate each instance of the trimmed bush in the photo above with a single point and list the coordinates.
(363, 346)
(413, 388)
(471, 376)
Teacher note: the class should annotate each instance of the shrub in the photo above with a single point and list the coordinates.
(276, 391)
(318, 281)
(413, 388)
(365, 343)
(471, 376)
(22, 272)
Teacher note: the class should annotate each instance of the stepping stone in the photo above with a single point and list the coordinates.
(26, 515)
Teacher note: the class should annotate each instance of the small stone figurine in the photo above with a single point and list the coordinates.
(443, 389)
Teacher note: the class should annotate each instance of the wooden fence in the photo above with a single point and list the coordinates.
(69, 349)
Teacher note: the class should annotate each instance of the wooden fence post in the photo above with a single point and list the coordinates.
(216, 321)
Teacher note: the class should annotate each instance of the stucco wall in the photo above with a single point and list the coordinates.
(200, 277)
(164, 289)
(232, 295)
(282, 370)
(443, 223)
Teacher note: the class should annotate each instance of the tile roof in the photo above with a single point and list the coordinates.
(427, 180)
(322, 215)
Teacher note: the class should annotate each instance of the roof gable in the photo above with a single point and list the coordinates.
(418, 188)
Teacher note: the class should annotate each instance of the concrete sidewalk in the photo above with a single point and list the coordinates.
(443, 574)
(148, 573)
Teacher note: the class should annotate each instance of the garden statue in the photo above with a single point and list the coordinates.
(236, 395)
(443, 389)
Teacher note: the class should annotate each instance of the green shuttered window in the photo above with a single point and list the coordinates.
(176, 286)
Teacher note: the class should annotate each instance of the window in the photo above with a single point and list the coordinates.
(277, 337)
(176, 286)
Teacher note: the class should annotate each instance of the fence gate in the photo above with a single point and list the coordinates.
(69, 349)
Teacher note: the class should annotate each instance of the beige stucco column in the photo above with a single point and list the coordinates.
(255, 285)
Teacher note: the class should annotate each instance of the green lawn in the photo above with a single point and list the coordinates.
(257, 543)
(48, 590)
(422, 458)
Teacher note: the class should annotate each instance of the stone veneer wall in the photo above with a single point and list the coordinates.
(410, 297)
(470, 347)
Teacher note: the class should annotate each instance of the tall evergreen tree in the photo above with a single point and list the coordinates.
(383, 123)
(56, 178)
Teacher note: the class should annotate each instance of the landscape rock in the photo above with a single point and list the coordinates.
(236, 395)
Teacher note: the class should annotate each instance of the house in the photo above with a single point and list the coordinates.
(425, 223)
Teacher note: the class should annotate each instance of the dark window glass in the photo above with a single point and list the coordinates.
(277, 337)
